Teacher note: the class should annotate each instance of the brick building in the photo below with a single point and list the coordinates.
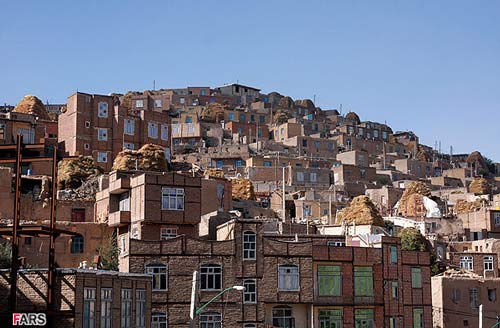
(83, 298)
(93, 125)
(303, 281)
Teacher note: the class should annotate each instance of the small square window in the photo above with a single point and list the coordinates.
(102, 157)
(86, 146)
(87, 124)
(158, 103)
(27, 240)
(139, 103)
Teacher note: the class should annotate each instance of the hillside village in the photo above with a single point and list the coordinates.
(326, 219)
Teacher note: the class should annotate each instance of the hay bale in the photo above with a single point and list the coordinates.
(480, 186)
(73, 173)
(212, 172)
(361, 211)
(412, 200)
(213, 112)
(149, 157)
(464, 207)
(352, 116)
(281, 117)
(33, 106)
(286, 102)
(308, 103)
(242, 189)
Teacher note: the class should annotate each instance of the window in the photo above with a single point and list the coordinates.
(330, 318)
(182, 100)
(158, 103)
(394, 289)
(455, 295)
(242, 118)
(329, 280)
(250, 292)
(239, 163)
(102, 157)
(375, 134)
(168, 233)
(77, 244)
(190, 128)
(488, 263)
(384, 135)
(249, 245)
(392, 322)
(363, 281)
(492, 294)
(77, 215)
(282, 317)
(330, 146)
(140, 308)
(159, 320)
(89, 308)
(219, 163)
(103, 109)
(172, 199)
(129, 127)
(86, 146)
(164, 132)
(126, 308)
(139, 103)
(203, 92)
(231, 116)
(466, 262)
(394, 254)
(364, 318)
(160, 276)
(300, 176)
(268, 164)
(249, 325)
(2, 131)
(252, 118)
(128, 145)
(211, 277)
(288, 278)
(211, 320)
(106, 301)
(102, 134)
(87, 124)
(27, 240)
(304, 142)
(473, 298)
(418, 318)
(152, 130)
(496, 218)
(416, 277)
(313, 177)
(262, 119)
(317, 144)
(335, 243)
(175, 129)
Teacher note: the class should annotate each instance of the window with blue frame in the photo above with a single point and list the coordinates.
(268, 164)
(77, 244)
(252, 118)
(189, 119)
(231, 116)
(262, 119)
(218, 164)
(239, 163)
(243, 118)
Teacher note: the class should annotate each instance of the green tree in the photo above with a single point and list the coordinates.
(109, 252)
(5, 255)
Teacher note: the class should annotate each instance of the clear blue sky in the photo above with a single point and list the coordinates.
(428, 66)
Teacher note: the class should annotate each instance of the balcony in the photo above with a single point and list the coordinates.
(119, 219)
(119, 186)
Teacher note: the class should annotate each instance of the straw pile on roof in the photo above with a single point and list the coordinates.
(412, 201)
(213, 112)
(242, 189)
(460, 273)
(463, 206)
(352, 116)
(281, 117)
(149, 157)
(286, 102)
(480, 186)
(305, 103)
(213, 172)
(361, 211)
(33, 106)
(73, 173)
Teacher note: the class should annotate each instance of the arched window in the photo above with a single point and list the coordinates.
(288, 277)
(211, 277)
(160, 275)
(211, 320)
(77, 244)
(282, 317)
(250, 292)
(249, 245)
(159, 320)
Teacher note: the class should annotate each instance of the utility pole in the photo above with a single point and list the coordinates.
(481, 316)
(194, 300)
(14, 268)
